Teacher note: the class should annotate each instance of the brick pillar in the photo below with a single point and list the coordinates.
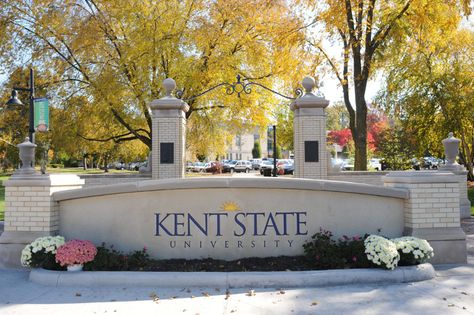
(168, 134)
(460, 173)
(432, 212)
(311, 158)
(30, 212)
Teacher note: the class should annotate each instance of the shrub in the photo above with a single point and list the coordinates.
(41, 253)
(110, 259)
(326, 253)
(75, 252)
(352, 250)
(412, 250)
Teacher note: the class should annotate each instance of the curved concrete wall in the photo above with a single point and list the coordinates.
(227, 218)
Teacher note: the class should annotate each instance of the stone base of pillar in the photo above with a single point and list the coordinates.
(449, 244)
(30, 212)
(11, 245)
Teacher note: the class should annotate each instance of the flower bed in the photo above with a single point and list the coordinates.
(321, 252)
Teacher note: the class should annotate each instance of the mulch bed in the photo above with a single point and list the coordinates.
(282, 263)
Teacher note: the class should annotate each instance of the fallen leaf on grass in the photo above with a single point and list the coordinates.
(450, 305)
(314, 303)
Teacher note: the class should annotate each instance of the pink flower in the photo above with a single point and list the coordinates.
(354, 258)
(75, 252)
(356, 238)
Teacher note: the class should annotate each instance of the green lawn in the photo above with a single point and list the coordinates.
(470, 193)
(2, 196)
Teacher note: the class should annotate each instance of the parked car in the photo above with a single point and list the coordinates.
(189, 166)
(135, 166)
(347, 165)
(256, 163)
(285, 167)
(117, 165)
(243, 166)
(375, 164)
(229, 166)
(199, 167)
(214, 167)
(265, 166)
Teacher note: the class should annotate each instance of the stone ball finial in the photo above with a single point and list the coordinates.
(169, 84)
(309, 84)
(450, 135)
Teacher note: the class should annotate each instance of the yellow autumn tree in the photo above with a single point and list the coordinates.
(117, 53)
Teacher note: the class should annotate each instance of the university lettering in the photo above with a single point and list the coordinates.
(242, 223)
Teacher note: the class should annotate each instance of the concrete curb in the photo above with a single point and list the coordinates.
(279, 279)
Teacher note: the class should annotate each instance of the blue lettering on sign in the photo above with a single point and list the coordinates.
(210, 224)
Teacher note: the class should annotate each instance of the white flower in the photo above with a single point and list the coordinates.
(419, 248)
(381, 251)
(48, 244)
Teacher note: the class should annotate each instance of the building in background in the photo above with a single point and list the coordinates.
(242, 145)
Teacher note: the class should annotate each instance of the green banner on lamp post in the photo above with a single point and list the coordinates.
(41, 114)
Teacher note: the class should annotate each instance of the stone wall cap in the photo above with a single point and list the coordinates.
(44, 180)
(137, 176)
(226, 182)
(419, 177)
(169, 103)
(359, 173)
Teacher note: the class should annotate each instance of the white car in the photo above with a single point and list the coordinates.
(199, 167)
(243, 166)
(375, 164)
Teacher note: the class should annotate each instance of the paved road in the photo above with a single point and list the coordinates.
(451, 292)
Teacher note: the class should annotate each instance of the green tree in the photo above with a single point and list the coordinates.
(256, 151)
(430, 87)
(365, 29)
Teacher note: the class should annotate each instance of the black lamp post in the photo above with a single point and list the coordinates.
(274, 151)
(15, 102)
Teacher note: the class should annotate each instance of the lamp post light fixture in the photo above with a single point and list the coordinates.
(14, 101)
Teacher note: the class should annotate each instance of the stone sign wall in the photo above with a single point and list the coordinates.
(227, 218)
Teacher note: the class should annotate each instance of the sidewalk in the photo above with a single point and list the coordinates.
(451, 292)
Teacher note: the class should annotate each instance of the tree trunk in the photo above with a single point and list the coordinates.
(360, 137)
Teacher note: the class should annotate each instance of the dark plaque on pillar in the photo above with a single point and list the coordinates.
(167, 153)
(311, 151)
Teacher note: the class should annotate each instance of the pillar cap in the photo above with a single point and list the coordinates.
(169, 101)
(309, 100)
